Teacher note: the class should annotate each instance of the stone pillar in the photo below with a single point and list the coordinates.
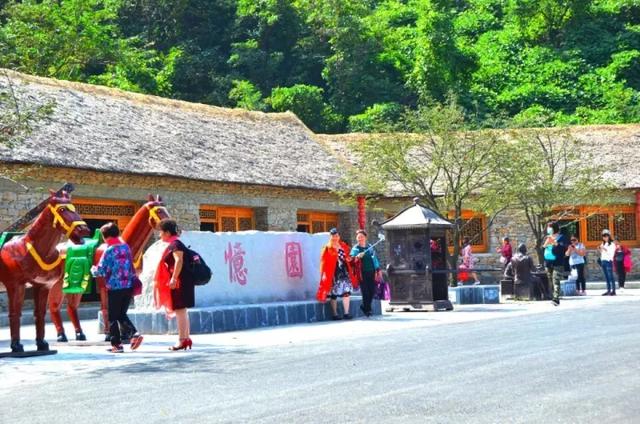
(184, 210)
(348, 225)
(281, 218)
(261, 217)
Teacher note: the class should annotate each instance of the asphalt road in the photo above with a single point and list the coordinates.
(575, 365)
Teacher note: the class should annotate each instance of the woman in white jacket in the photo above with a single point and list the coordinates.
(607, 253)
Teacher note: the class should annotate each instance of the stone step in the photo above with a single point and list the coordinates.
(602, 285)
(216, 319)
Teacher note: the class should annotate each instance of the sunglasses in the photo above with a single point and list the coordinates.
(574, 240)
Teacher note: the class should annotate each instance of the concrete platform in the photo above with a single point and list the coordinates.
(217, 319)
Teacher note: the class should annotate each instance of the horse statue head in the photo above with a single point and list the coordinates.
(157, 211)
(65, 218)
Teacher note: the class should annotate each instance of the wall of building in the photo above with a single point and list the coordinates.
(275, 207)
(513, 224)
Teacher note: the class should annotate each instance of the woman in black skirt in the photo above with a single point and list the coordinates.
(174, 288)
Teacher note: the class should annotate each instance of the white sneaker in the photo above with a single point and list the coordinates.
(621, 289)
(476, 283)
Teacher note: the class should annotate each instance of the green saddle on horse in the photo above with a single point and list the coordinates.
(8, 235)
(77, 266)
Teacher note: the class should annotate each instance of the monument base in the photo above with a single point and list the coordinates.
(217, 319)
(473, 295)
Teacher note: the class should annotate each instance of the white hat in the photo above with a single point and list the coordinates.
(606, 232)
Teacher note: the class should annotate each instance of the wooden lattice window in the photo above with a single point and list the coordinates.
(99, 211)
(208, 214)
(624, 226)
(621, 220)
(316, 222)
(216, 218)
(595, 224)
(245, 224)
(474, 226)
(474, 229)
(106, 210)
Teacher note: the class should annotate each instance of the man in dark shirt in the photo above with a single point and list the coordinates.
(521, 268)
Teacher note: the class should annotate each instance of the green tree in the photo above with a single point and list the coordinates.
(267, 52)
(201, 30)
(308, 104)
(62, 39)
(433, 154)
(246, 96)
(549, 173)
(355, 74)
(79, 40)
(376, 116)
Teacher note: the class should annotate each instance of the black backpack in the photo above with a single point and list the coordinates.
(196, 267)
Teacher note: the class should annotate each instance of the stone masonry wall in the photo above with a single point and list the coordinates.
(275, 207)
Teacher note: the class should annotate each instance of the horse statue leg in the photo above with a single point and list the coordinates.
(40, 295)
(15, 292)
(55, 304)
(73, 302)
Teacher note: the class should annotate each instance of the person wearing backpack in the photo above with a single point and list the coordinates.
(555, 249)
(116, 265)
(174, 289)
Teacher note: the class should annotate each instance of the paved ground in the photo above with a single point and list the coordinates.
(518, 362)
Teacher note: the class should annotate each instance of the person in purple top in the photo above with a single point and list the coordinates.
(116, 266)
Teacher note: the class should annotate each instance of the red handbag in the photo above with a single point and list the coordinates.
(137, 286)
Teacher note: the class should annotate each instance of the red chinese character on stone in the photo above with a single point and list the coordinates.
(234, 256)
(293, 254)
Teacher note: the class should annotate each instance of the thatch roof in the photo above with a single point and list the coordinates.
(104, 129)
(614, 147)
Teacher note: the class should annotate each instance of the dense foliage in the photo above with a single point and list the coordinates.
(345, 65)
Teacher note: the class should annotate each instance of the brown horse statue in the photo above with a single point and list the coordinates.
(136, 234)
(33, 258)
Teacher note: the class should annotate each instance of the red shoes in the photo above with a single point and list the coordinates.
(136, 341)
(183, 345)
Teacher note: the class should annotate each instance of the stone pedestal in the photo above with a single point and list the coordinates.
(472, 295)
(216, 319)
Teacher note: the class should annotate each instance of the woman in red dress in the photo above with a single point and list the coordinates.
(173, 286)
(337, 276)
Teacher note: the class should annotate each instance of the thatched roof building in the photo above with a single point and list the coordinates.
(109, 130)
(614, 147)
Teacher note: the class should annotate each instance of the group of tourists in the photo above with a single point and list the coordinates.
(562, 254)
(172, 286)
(343, 270)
